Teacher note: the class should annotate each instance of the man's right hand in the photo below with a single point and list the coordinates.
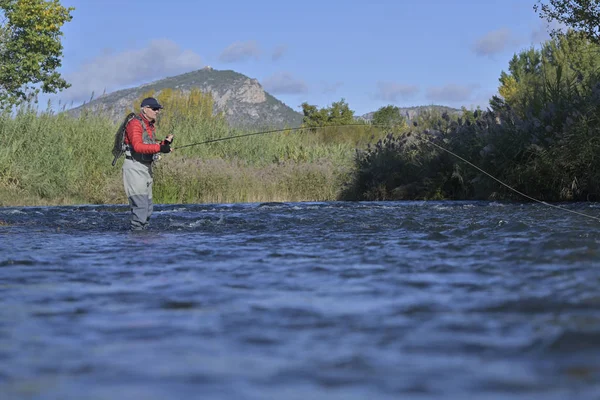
(165, 148)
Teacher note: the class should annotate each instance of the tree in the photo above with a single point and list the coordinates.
(564, 68)
(339, 113)
(313, 116)
(30, 49)
(524, 76)
(579, 15)
(389, 115)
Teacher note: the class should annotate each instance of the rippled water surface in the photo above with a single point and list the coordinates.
(414, 300)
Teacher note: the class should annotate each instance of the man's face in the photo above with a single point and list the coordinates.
(151, 113)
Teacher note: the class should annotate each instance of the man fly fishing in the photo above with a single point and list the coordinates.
(141, 151)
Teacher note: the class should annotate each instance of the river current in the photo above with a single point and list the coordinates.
(382, 300)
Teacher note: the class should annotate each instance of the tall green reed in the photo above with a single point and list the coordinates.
(56, 158)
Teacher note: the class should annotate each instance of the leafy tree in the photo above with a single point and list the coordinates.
(579, 15)
(524, 75)
(390, 116)
(313, 116)
(30, 49)
(339, 113)
(563, 68)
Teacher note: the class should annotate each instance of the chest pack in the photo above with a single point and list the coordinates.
(120, 147)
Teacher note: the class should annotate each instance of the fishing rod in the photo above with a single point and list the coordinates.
(388, 126)
(275, 131)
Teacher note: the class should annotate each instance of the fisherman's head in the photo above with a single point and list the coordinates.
(150, 108)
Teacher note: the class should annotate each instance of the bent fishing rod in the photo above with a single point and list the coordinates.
(388, 126)
(276, 131)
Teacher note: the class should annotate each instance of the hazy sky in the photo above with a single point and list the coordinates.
(371, 53)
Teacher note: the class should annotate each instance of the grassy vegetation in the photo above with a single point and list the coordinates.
(54, 159)
(541, 138)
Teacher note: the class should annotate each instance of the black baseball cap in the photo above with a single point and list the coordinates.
(151, 102)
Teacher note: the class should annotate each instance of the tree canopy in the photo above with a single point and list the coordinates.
(339, 113)
(578, 15)
(564, 67)
(30, 49)
(389, 115)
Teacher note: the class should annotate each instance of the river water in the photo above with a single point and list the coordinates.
(416, 300)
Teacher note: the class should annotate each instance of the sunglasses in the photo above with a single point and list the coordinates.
(155, 108)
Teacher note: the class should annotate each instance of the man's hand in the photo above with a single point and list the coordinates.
(165, 148)
(169, 139)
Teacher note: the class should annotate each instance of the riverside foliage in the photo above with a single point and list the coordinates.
(541, 136)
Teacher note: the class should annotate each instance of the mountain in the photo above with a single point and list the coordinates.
(242, 99)
(411, 113)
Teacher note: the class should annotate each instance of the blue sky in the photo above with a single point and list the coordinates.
(370, 53)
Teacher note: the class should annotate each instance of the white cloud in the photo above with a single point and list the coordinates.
(240, 51)
(332, 87)
(480, 99)
(542, 32)
(284, 83)
(279, 52)
(109, 72)
(451, 93)
(494, 42)
(391, 91)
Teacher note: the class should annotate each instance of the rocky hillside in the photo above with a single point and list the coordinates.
(244, 101)
(411, 113)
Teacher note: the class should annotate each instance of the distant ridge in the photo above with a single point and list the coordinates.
(243, 100)
(411, 113)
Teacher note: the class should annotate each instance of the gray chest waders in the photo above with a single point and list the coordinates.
(138, 182)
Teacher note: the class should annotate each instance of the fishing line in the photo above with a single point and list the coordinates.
(275, 131)
(511, 188)
(387, 126)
